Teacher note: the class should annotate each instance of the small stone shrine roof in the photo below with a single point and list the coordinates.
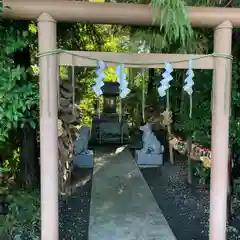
(110, 89)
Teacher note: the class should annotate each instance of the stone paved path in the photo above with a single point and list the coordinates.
(122, 205)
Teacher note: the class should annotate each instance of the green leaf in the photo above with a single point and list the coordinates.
(33, 124)
(4, 170)
(9, 115)
(2, 139)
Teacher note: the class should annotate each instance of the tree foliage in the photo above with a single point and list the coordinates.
(16, 99)
(173, 20)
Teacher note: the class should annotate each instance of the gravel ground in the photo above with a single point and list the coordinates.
(185, 208)
(75, 210)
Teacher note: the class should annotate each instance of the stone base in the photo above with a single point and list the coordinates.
(84, 160)
(148, 166)
(150, 160)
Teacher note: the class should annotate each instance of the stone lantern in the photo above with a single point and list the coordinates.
(110, 94)
(107, 128)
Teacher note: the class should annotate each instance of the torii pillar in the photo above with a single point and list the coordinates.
(48, 127)
(220, 130)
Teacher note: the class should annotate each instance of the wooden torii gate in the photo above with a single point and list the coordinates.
(47, 13)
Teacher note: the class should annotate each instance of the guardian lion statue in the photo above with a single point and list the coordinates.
(150, 143)
(82, 137)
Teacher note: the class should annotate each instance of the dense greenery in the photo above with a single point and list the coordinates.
(16, 99)
(19, 96)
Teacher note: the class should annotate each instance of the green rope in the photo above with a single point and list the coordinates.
(222, 55)
(58, 51)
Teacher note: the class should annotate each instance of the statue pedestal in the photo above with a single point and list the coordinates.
(148, 160)
(84, 160)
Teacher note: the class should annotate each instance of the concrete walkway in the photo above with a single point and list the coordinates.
(122, 205)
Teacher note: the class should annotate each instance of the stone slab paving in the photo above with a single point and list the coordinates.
(122, 205)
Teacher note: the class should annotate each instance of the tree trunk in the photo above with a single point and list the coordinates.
(29, 165)
(29, 174)
(151, 74)
(190, 168)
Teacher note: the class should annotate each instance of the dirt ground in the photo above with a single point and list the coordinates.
(185, 207)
